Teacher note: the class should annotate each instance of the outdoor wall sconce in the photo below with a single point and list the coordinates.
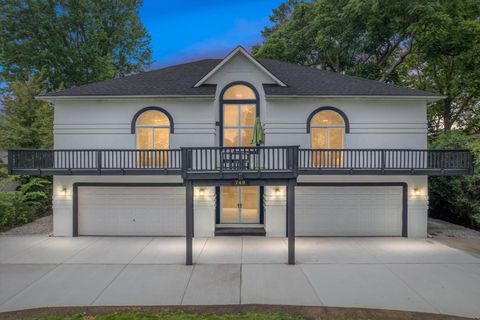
(201, 192)
(277, 191)
(64, 191)
(416, 191)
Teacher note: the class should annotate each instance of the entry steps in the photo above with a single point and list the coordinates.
(238, 231)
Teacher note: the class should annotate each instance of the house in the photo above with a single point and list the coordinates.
(169, 153)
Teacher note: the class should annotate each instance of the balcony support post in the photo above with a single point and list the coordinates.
(189, 222)
(404, 210)
(291, 220)
(75, 210)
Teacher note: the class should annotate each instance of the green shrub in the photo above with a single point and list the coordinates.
(32, 199)
(456, 199)
(3, 173)
(3, 170)
(13, 210)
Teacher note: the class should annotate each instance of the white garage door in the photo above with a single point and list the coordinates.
(131, 211)
(348, 211)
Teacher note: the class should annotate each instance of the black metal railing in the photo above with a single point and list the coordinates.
(384, 160)
(85, 161)
(265, 161)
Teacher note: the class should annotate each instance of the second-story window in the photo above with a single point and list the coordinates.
(327, 131)
(153, 130)
(239, 111)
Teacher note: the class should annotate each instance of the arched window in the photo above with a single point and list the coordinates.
(327, 130)
(152, 127)
(239, 107)
(152, 130)
(327, 127)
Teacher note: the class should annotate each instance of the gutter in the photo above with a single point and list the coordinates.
(126, 97)
(355, 97)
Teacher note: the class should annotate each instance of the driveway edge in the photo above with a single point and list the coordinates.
(306, 312)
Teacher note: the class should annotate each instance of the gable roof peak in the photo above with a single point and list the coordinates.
(239, 50)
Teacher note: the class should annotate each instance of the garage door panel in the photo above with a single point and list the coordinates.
(134, 211)
(348, 211)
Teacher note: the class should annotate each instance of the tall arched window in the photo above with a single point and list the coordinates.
(152, 129)
(239, 108)
(327, 127)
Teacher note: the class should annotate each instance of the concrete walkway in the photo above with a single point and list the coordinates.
(385, 273)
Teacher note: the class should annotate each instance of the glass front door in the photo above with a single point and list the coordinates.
(240, 205)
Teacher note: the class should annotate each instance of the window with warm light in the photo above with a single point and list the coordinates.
(153, 134)
(327, 131)
(239, 92)
(239, 110)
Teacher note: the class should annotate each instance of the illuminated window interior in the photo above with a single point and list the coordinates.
(238, 118)
(153, 136)
(327, 131)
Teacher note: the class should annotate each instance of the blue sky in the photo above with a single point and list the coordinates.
(188, 30)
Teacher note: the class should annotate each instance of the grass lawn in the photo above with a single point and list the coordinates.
(254, 312)
(181, 316)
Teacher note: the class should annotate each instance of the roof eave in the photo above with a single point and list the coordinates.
(123, 97)
(432, 98)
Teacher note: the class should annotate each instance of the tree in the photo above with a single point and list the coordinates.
(369, 38)
(72, 41)
(447, 61)
(427, 44)
(25, 121)
(46, 45)
(456, 199)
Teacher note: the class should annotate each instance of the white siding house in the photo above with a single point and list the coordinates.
(353, 192)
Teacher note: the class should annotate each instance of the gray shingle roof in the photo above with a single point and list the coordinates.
(174, 80)
(303, 80)
(180, 80)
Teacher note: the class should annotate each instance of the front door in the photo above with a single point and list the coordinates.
(240, 205)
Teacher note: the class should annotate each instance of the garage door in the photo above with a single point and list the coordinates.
(131, 211)
(348, 211)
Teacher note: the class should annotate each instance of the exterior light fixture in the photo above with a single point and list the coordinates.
(416, 191)
(277, 191)
(201, 192)
(64, 191)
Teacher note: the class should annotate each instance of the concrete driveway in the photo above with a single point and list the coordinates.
(386, 273)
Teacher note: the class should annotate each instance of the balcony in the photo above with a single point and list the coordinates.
(266, 162)
(385, 162)
(280, 162)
